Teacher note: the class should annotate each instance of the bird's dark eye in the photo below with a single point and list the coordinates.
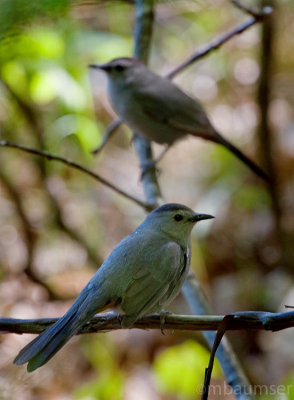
(119, 68)
(178, 217)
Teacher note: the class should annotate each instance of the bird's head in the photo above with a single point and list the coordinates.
(120, 68)
(175, 220)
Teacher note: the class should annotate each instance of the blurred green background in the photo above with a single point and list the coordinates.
(57, 225)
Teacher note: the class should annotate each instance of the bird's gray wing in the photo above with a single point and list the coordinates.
(153, 281)
(175, 108)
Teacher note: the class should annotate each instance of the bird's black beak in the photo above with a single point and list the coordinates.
(200, 217)
(104, 67)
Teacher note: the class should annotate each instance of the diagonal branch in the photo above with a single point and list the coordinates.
(110, 131)
(74, 165)
(218, 42)
(258, 14)
(28, 233)
(27, 110)
(35, 122)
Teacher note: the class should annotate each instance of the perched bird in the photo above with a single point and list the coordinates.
(144, 272)
(157, 109)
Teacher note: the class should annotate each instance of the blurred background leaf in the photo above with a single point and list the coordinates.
(179, 369)
(57, 226)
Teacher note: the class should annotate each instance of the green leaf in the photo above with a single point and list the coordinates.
(102, 356)
(107, 386)
(42, 42)
(109, 46)
(190, 359)
(16, 14)
(85, 129)
(57, 82)
(251, 197)
(288, 387)
(14, 74)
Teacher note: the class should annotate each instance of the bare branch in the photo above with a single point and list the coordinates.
(144, 16)
(221, 330)
(110, 130)
(218, 42)
(29, 234)
(245, 320)
(72, 164)
(35, 122)
(258, 14)
(28, 111)
(266, 135)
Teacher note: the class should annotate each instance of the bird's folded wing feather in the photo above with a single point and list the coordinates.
(176, 109)
(152, 280)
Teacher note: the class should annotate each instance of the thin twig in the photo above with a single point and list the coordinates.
(28, 111)
(245, 320)
(73, 164)
(254, 12)
(221, 330)
(110, 130)
(29, 235)
(35, 122)
(218, 42)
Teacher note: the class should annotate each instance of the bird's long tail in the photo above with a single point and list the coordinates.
(246, 160)
(43, 347)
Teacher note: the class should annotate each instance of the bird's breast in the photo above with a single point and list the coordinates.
(178, 278)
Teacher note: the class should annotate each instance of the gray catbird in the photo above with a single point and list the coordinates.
(156, 108)
(144, 272)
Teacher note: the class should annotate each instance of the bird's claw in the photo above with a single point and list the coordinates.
(163, 314)
(120, 318)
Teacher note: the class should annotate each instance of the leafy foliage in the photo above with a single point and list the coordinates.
(57, 226)
(179, 369)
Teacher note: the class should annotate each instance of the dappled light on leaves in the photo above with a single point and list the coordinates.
(178, 370)
(57, 225)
